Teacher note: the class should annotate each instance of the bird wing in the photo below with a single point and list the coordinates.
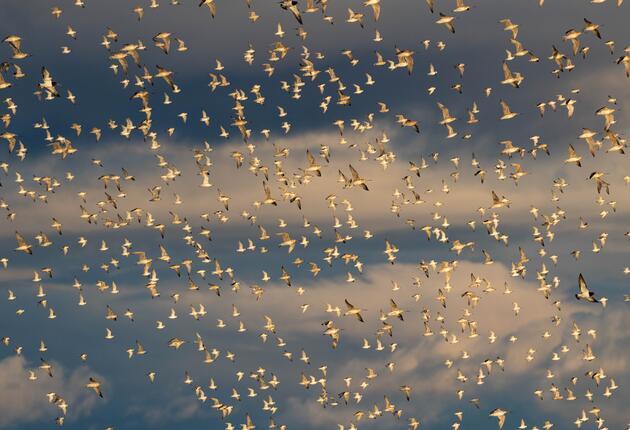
(583, 287)
(355, 174)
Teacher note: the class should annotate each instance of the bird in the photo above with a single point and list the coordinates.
(22, 245)
(376, 7)
(573, 157)
(291, 6)
(500, 415)
(95, 385)
(446, 21)
(584, 293)
(128, 214)
(506, 112)
(353, 311)
(211, 6)
(15, 42)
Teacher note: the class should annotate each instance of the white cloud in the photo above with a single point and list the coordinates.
(25, 401)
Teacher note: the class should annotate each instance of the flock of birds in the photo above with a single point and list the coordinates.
(187, 251)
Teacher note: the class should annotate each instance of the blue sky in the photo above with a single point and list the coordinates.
(496, 343)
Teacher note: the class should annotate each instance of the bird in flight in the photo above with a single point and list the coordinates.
(309, 213)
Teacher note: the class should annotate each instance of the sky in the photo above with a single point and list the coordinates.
(196, 210)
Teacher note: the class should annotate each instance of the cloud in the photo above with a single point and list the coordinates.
(25, 401)
(419, 361)
(453, 196)
(181, 407)
(245, 188)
